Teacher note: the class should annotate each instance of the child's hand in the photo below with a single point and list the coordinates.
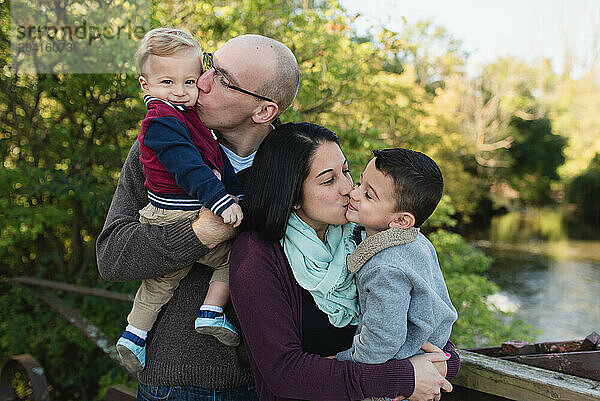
(233, 215)
(442, 367)
(217, 174)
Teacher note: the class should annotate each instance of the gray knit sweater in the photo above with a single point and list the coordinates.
(128, 250)
(402, 296)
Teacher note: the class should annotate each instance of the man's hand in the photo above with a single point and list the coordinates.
(210, 229)
(233, 215)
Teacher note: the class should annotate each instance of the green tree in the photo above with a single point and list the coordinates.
(65, 137)
(572, 108)
(584, 191)
(536, 155)
(429, 49)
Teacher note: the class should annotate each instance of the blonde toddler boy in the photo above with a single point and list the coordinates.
(185, 170)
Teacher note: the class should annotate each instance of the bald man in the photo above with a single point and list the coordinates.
(246, 85)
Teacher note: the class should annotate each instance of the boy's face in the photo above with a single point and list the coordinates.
(172, 78)
(373, 201)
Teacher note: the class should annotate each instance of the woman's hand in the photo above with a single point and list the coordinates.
(428, 381)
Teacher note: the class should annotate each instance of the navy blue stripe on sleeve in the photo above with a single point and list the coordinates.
(219, 207)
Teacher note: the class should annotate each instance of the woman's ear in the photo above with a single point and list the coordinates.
(266, 113)
(403, 220)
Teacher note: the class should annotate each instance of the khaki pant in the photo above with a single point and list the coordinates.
(156, 292)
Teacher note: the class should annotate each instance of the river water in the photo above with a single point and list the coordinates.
(548, 276)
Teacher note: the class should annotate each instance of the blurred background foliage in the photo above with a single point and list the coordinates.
(515, 135)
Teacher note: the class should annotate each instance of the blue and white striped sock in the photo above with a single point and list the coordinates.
(138, 332)
(210, 311)
(214, 308)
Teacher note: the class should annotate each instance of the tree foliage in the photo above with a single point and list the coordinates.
(584, 191)
(572, 107)
(536, 154)
(431, 50)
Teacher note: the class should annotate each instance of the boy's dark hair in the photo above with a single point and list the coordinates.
(418, 181)
(274, 183)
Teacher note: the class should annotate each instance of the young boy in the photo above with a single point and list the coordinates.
(402, 295)
(183, 165)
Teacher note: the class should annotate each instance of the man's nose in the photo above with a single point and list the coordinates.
(354, 194)
(204, 80)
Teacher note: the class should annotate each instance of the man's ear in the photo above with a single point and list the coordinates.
(403, 220)
(265, 113)
(143, 83)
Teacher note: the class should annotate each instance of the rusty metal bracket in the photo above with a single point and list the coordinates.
(34, 371)
(591, 342)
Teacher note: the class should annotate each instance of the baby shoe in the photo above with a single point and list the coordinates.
(217, 325)
(132, 350)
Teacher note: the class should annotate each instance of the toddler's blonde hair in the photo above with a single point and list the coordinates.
(164, 42)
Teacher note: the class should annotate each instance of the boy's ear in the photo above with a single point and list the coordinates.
(403, 220)
(143, 83)
(265, 113)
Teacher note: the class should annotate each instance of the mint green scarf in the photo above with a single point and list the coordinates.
(321, 269)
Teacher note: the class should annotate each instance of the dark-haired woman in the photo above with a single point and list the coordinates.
(289, 285)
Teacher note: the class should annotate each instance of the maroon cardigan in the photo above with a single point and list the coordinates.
(268, 303)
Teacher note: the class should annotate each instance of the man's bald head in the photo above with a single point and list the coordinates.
(281, 75)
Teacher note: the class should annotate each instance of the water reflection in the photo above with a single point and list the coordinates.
(555, 280)
(543, 224)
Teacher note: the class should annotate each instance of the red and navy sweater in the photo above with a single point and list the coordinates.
(178, 154)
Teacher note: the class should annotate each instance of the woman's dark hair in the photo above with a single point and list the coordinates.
(274, 183)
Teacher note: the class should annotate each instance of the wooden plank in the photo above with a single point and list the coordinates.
(120, 392)
(521, 382)
(582, 364)
(525, 348)
(97, 292)
(489, 351)
(460, 393)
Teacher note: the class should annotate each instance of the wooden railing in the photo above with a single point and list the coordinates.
(119, 392)
(514, 381)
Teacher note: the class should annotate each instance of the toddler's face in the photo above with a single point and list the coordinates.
(173, 78)
(372, 201)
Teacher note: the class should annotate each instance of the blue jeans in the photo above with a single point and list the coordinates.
(191, 393)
